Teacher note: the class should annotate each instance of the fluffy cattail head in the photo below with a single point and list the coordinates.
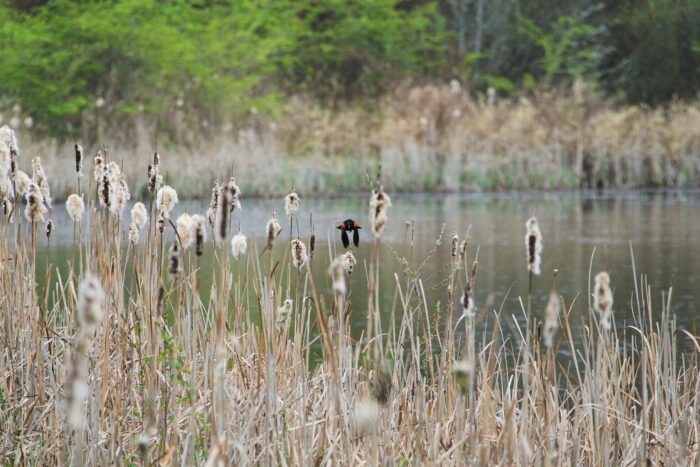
(90, 297)
(75, 207)
(134, 233)
(8, 139)
(22, 181)
(233, 194)
(120, 194)
(35, 210)
(533, 244)
(551, 318)
(155, 180)
(272, 229)
(100, 167)
(5, 158)
(213, 204)
(7, 206)
(602, 298)
(40, 179)
(49, 228)
(104, 190)
(78, 159)
(6, 191)
(349, 262)
(199, 229)
(379, 203)
(185, 230)
(337, 272)
(299, 255)
(284, 311)
(166, 199)
(239, 245)
(139, 215)
(454, 246)
(291, 204)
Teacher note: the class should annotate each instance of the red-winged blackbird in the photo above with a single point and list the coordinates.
(346, 226)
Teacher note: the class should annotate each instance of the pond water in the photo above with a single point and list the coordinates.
(660, 226)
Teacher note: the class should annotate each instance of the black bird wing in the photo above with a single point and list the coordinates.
(356, 237)
(344, 237)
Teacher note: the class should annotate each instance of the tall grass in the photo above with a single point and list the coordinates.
(426, 137)
(173, 375)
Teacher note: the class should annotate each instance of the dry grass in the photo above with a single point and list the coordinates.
(178, 379)
(426, 138)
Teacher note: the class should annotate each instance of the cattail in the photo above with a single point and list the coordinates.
(134, 233)
(291, 204)
(551, 318)
(5, 158)
(40, 179)
(213, 204)
(104, 191)
(349, 262)
(337, 272)
(78, 159)
(90, 298)
(7, 206)
(174, 259)
(533, 243)
(273, 229)
(139, 215)
(49, 228)
(312, 245)
(463, 251)
(602, 298)
(463, 371)
(284, 311)
(199, 229)
(239, 245)
(185, 230)
(155, 180)
(100, 167)
(299, 256)
(6, 191)
(35, 210)
(467, 299)
(378, 205)
(120, 194)
(455, 246)
(22, 181)
(8, 139)
(367, 416)
(166, 199)
(233, 193)
(75, 207)
(222, 213)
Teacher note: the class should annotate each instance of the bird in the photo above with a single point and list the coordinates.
(346, 226)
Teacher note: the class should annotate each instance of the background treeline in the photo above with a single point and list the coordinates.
(71, 64)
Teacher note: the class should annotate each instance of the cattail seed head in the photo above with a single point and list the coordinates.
(603, 299)
(6, 191)
(75, 207)
(455, 245)
(291, 204)
(533, 243)
(349, 262)
(100, 167)
(9, 140)
(222, 215)
(139, 215)
(213, 204)
(199, 227)
(239, 245)
(40, 179)
(7, 206)
(337, 272)
(185, 230)
(166, 200)
(120, 194)
(312, 245)
(299, 255)
(174, 259)
(5, 158)
(551, 318)
(379, 203)
(22, 181)
(78, 159)
(233, 194)
(49, 228)
(155, 180)
(284, 311)
(35, 210)
(90, 297)
(272, 230)
(134, 233)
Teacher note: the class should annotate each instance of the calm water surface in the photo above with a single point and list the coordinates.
(661, 226)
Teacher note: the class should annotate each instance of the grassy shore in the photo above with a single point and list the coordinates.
(107, 367)
(427, 138)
